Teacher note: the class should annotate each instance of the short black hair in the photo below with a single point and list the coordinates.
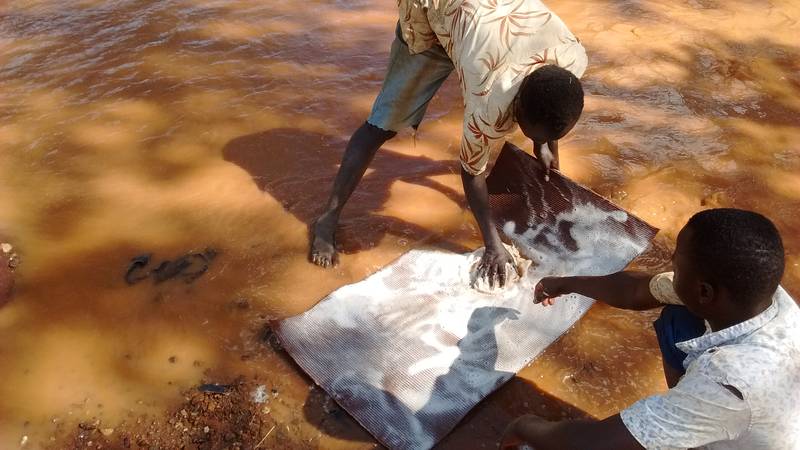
(552, 96)
(740, 250)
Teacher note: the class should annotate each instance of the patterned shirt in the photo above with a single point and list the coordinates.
(494, 45)
(741, 389)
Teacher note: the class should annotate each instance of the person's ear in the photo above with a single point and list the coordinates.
(705, 294)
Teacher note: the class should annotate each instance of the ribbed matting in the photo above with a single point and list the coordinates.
(411, 349)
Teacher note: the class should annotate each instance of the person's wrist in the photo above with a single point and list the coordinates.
(557, 286)
(493, 242)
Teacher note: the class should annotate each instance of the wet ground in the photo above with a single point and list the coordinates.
(169, 127)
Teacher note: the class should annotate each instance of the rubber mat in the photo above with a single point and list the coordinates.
(411, 349)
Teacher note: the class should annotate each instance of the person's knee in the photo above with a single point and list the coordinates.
(676, 324)
(378, 132)
(681, 323)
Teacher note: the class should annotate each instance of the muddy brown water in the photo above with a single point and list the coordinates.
(171, 126)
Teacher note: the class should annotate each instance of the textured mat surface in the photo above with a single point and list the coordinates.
(411, 349)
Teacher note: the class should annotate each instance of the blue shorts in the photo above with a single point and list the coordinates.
(676, 324)
(410, 83)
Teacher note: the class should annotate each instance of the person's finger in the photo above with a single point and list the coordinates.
(481, 272)
(502, 275)
(492, 274)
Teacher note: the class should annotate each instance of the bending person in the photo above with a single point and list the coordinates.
(517, 63)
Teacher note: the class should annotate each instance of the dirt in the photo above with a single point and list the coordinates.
(158, 125)
(203, 421)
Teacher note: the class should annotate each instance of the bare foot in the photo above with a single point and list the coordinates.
(323, 244)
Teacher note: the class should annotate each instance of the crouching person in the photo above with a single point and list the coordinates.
(729, 338)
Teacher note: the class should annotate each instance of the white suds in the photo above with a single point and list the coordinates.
(260, 395)
(514, 271)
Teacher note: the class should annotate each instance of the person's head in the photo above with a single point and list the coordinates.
(549, 103)
(727, 261)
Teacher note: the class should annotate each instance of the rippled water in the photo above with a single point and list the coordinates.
(129, 127)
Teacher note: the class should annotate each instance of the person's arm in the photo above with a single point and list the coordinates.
(495, 258)
(701, 410)
(625, 290)
(608, 434)
(553, 146)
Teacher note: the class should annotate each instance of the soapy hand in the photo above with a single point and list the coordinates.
(547, 154)
(494, 265)
(547, 289)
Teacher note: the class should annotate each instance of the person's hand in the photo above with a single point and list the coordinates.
(513, 435)
(547, 289)
(547, 154)
(511, 439)
(493, 266)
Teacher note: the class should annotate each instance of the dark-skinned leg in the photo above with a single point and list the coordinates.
(360, 151)
(672, 375)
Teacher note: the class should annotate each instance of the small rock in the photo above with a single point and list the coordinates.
(206, 429)
(24, 441)
(107, 431)
(172, 359)
(269, 337)
(6, 247)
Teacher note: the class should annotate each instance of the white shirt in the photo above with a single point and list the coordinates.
(494, 45)
(759, 358)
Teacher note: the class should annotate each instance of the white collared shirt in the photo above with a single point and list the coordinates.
(759, 359)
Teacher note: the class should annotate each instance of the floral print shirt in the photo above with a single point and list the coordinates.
(494, 45)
